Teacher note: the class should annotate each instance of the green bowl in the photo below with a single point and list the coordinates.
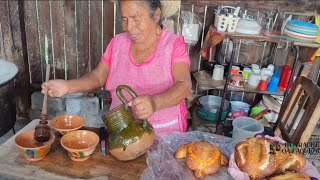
(255, 110)
(211, 116)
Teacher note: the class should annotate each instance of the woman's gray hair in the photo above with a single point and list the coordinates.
(152, 6)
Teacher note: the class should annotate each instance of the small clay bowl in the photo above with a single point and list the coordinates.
(80, 144)
(30, 149)
(66, 123)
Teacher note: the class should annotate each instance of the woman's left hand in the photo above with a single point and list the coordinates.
(143, 106)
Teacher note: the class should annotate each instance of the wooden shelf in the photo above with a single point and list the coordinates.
(205, 82)
(303, 44)
(274, 38)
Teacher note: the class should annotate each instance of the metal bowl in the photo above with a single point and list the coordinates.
(209, 106)
(212, 103)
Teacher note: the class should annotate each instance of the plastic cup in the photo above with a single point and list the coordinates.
(262, 86)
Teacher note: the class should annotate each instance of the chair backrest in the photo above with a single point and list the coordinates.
(301, 112)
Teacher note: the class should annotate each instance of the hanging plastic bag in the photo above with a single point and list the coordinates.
(191, 27)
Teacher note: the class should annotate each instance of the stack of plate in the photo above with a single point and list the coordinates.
(248, 26)
(301, 31)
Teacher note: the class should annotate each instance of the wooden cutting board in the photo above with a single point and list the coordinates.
(58, 165)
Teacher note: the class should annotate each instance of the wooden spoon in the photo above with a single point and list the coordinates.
(42, 131)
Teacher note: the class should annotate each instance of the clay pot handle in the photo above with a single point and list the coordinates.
(125, 101)
(121, 96)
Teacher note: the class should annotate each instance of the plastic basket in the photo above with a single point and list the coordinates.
(225, 23)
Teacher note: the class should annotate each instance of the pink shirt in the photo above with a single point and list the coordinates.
(150, 77)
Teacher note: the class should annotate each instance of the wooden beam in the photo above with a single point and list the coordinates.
(301, 7)
(70, 39)
(82, 10)
(32, 40)
(57, 13)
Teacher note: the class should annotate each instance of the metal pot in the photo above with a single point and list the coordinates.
(209, 106)
(8, 71)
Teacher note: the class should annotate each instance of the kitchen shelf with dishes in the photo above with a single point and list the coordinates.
(225, 83)
(228, 75)
(295, 32)
(205, 82)
(273, 38)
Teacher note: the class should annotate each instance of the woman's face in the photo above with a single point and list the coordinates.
(136, 20)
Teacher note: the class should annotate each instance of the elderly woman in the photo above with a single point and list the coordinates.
(149, 59)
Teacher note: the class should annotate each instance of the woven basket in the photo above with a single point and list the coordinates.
(169, 8)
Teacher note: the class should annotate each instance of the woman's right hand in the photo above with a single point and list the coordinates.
(55, 88)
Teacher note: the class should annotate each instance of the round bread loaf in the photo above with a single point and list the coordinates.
(253, 157)
(259, 159)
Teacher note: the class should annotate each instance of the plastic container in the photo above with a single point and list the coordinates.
(221, 22)
(248, 26)
(233, 22)
(245, 127)
(238, 105)
(284, 77)
(225, 23)
(256, 110)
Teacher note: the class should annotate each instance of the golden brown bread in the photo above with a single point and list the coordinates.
(254, 156)
(202, 157)
(289, 161)
(291, 176)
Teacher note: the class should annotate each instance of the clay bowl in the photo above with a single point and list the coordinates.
(30, 149)
(66, 123)
(80, 144)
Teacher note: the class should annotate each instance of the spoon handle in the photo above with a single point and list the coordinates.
(45, 97)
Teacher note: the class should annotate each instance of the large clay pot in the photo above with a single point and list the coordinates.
(129, 138)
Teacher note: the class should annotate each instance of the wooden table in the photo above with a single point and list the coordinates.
(58, 165)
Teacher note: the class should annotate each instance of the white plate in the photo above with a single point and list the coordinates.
(287, 31)
(248, 31)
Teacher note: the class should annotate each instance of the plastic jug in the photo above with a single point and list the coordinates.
(284, 77)
(245, 127)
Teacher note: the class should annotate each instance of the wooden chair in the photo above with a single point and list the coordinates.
(303, 97)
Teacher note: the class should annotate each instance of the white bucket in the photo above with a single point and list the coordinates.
(245, 127)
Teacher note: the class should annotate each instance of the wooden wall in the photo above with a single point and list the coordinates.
(301, 7)
(71, 35)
